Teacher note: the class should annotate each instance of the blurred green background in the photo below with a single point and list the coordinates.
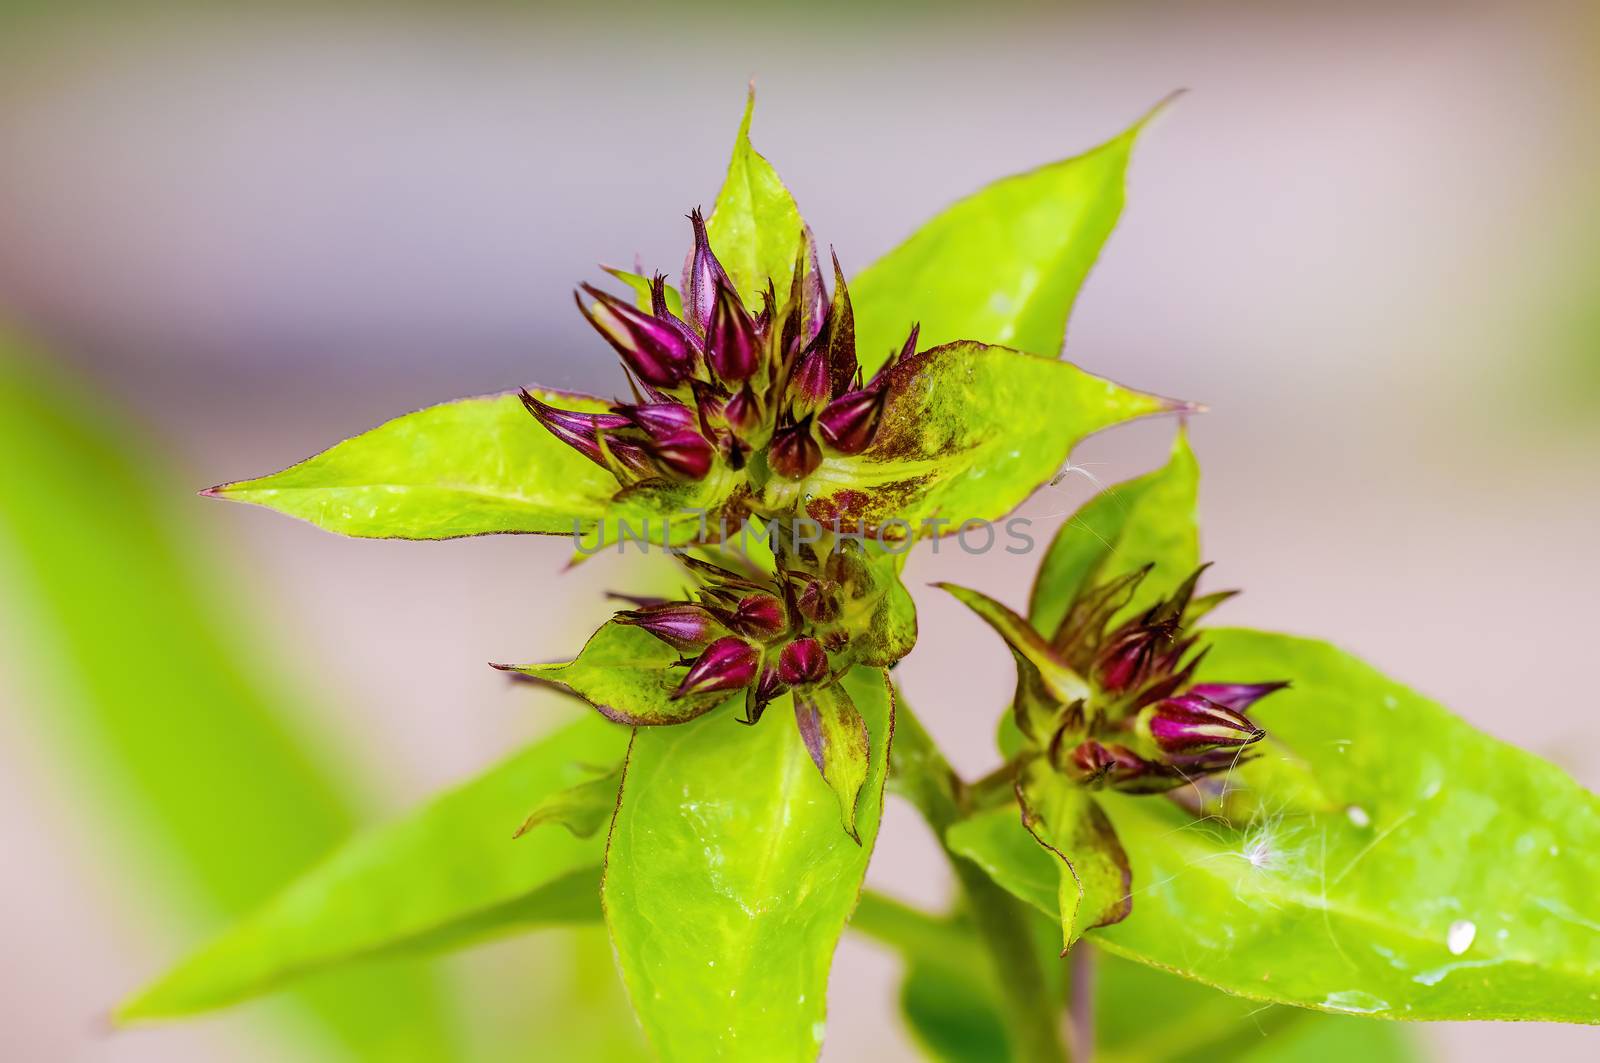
(231, 235)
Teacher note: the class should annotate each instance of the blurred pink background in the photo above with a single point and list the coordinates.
(1366, 239)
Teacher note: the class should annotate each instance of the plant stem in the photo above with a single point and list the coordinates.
(1080, 1000)
(1028, 1007)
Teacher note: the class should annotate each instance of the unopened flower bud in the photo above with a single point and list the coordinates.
(684, 626)
(818, 600)
(809, 385)
(732, 347)
(850, 422)
(803, 661)
(727, 664)
(660, 419)
(1191, 723)
(743, 414)
(682, 455)
(653, 349)
(1236, 696)
(703, 275)
(794, 454)
(759, 615)
(580, 431)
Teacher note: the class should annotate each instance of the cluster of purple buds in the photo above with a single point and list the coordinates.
(746, 632)
(1144, 726)
(780, 387)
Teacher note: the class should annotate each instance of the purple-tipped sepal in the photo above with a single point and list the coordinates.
(729, 663)
(803, 662)
(580, 431)
(684, 626)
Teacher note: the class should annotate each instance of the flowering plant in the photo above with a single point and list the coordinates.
(1259, 814)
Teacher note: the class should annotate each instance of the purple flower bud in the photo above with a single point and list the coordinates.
(808, 384)
(1093, 764)
(758, 696)
(653, 349)
(703, 276)
(1131, 657)
(727, 664)
(626, 459)
(684, 626)
(732, 346)
(850, 422)
(818, 600)
(580, 431)
(803, 661)
(743, 413)
(660, 419)
(759, 615)
(1236, 696)
(793, 454)
(1191, 723)
(682, 456)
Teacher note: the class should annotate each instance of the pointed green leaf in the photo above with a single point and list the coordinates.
(728, 880)
(629, 675)
(1001, 266)
(478, 466)
(891, 632)
(1094, 879)
(1150, 520)
(641, 290)
(449, 872)
(836, 737)
(969, 432)
(168, 722)
(582, 809)
(1448, 875)
(755, 227)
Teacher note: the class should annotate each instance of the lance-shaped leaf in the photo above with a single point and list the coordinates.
(176, 733)
(728, 881)
(582, 808)
(1093, 873)
(891, 632)
(642, 294)
(629, 675)
(969, 432)
(1450, 879)
(1001, 266)
(1150, 520)
(836, 737)
(478, 466)
(755, 227)
(449, 873)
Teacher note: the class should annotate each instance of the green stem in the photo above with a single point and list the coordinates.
(1028, 1007)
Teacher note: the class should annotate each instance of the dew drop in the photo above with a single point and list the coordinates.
(1459, 939)
(1358, 816)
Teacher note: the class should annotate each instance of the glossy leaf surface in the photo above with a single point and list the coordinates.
(1003, 265)
(1149, 520)
(729, 880)
(968, 433)
(478, 466)
(449, 873)
(755, 228)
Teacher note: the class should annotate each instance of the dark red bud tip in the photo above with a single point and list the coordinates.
(850, 422)
(732, 346)
(794, 454)
(803, 661)
(743, 414)
(681, 625)
(656, 351)
(818, 600)
(729, 663)
(660, 419)
(682, 456)
(1191, 723)
(1131, 657)
(1093, 764)
(809, 386)
(580, 431)
(759, 615)
(1236, 696)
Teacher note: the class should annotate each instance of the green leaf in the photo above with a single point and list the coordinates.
(1150, 520)
(582, 809)
(755, 227)
(629, 675)
(641, 290)
(1001, 266)
(448, 873)
(478, 466)
(836, 737)
(163, 714)
(969, 432)
(728, 881)
(1092, 870)
(1451, 879)
(891, 632)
